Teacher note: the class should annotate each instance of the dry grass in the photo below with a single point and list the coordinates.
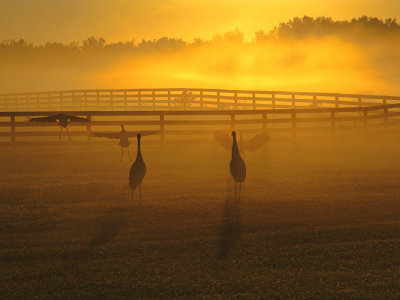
(317, 220)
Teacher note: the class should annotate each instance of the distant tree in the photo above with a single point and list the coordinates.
(323, 26)
(185, 100)
(232, 36)
(363, 29)
(93, 43)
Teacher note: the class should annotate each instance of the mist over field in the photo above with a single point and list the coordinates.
(303, 54)
(212, 183)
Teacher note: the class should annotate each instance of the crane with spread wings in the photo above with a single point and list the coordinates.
(123, 137)
(63, 120)
(251, 145)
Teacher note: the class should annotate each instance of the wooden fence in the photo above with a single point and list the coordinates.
(181, 99)
(16, 127)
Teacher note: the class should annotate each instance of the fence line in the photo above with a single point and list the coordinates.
(182, 99)
(208, 121)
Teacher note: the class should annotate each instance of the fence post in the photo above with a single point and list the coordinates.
(385, 112)
(218, 99)
(169, 99)
(140, 99)
(254, 100)
(98, 99)
(264, 122)
(85, 99)
(273, 101)
(12, 117)
(73, 100)
(264, 128)
(112, 99)
(232, 122)
(89, 133)
(125, 100)
(201, 98)
(293, 124)
(315, 101)
(162, 127)
(236, 100)
(333, 125)
(293, 100)
(154, 99)
(62, 100)
(365, 119)
(337, 102)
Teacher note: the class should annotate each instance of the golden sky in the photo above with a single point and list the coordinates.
(41, 21)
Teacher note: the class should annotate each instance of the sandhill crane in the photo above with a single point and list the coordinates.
(251, 145)
(123, 137)
(237, 165)
(137, 171)
(62, 119)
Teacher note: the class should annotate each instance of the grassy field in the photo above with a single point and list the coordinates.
(317, 219)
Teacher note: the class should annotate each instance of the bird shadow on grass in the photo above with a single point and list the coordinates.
(232, 227)
(107, 227)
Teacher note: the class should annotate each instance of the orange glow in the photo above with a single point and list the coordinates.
(307, 65)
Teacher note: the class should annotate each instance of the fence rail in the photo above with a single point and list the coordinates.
(15, 126)
(182, 99)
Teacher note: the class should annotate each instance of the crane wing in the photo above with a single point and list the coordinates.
(58, 117)
(256, 142)
(109, 135)
(45, 119)
(224, 139)
(77, 119)
(143, 132)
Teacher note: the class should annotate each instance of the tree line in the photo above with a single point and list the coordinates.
(363, 28)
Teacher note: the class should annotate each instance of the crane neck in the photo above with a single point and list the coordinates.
(235, 149)
(139, 153)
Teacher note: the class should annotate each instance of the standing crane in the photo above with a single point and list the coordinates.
(137, 171)
(251, 145)
(123, 137)
(62, 119)
(237, 166)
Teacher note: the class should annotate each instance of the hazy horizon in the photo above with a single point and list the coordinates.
(303, 54)
(64, 21)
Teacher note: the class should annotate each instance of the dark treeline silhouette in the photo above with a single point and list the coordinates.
(363, 28)
(356, 29)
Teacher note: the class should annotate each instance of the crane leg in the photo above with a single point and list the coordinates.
(59, 136)
(68, 135)
(235, 190)
(240, 187)
(132, 195)
(122, 153)
(129, 154)
(140, 193)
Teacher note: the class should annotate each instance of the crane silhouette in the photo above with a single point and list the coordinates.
(251, 145)
(123, 137)
(137, 171)
(62, 119)
(237, 166)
